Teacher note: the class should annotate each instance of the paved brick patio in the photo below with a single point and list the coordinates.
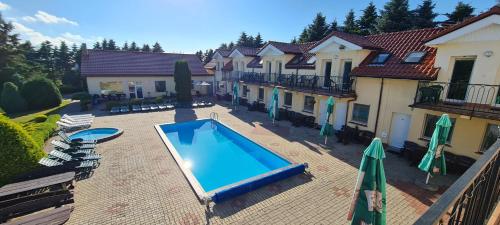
(139, 182)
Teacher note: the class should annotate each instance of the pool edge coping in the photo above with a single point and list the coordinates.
(200, 192)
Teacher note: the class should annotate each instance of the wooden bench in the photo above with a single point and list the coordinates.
(54, 217)
(57, 181)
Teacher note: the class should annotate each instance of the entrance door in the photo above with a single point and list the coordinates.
(340, 115)
(322, 112)
(345, 75)
(462, 71)
(399, 129)
(328, 74)
(138, 89)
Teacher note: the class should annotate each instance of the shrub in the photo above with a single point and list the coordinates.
(112, 104)
(182, 78)
(41, 93)
(135, 101)
(40, 132)
(40, 118)
(19, 153)
(159, 100)
(84, 105)
(68, 89)
(11, 100)
(81, 96)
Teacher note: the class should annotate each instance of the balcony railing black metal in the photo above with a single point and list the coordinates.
(314, 83)
(473, 197)
(481, 100)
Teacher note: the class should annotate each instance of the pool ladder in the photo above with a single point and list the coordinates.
(215, 117)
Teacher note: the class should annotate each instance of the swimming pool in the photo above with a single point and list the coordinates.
(99, 134)
(221, 163)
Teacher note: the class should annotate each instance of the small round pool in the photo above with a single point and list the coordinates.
(99, 134)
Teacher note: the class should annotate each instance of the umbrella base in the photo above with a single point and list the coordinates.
(429, 186)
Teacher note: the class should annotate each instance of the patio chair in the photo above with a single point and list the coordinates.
(66, 147)
(124, 109)
(136, 108)
(74, 157)
(75, 142)
(145, 107)
(70, 127)
(153, 107)
(115, 109)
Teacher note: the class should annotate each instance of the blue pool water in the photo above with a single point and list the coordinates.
(95, 134)
(217, 155)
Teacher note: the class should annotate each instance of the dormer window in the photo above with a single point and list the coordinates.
(381, 58)
(414, 57)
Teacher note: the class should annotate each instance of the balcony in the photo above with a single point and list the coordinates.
(473, 197)
(474, 100)
(334, 85)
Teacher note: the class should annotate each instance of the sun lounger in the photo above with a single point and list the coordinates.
(66, 147)
(162, 106)
(70, 127)
(115, 110)
(76, 119)
(170, 106)
(194, 105)
(54, 216)
(145, 107)
(74, 157)
(201, 104)
(76, 142)
(79, 116)
(71, 122)
(124, 109)
(153, 107)
(136, 108)
(75, 165)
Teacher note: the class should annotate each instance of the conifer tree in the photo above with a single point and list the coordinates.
(104, 44)
(112, 45)
(258, 41)
(318, 29)
(350, 24)
(423, 15)
(462, 11)
(146, 48)
(133, 47)
(125, 47)
(157, 47)
(333, 26)
(395, 17)
(368, 21)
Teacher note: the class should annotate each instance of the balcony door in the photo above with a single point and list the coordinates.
(345, 74)
(462, 71)
(328, 73)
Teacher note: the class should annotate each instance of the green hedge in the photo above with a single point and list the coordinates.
(11, 100)
(42, 131)
(40, 118)
(81, 96)
(19, 152)
(41, 93)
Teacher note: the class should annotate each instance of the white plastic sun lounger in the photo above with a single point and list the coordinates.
(145, 107)
(124, 109)
(67, 127)
(162, 106)
(81, 116)
(153, 107)
(77, 122)
(136, 108)
(67, 157)
(115, 110)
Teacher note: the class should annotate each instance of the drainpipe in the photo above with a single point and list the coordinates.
(379, 103)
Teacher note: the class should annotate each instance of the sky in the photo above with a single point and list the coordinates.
(182, 26)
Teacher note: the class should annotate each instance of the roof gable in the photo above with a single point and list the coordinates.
(351, 41)
(481, 21)
(236, 54)
(270, 49)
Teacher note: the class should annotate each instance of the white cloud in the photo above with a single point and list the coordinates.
(37, 38)
(4, 6)
(47, 18)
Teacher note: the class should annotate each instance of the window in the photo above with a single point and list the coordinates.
(161, 86)
(244, 92)
(309, 104)
(380, 58)
(414, 57)
(236, 66)
(279, 68)
(269, 67)
(491, 135)
(261, 93)
(111, 86)
(360, 113)
(430, 125)
(288, 99)
(242, 66)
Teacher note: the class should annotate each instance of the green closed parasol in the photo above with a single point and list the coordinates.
(327, 128)
(368, 205)
(273, 105)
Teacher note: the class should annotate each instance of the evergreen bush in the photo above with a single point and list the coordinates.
(11, 100)
(182, 78)
(41, 93)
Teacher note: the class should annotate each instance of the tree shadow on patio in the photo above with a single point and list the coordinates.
(184, 114)
(229, 207)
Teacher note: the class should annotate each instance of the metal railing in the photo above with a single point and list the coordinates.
(472, 99)
(473, 197)
(332, 85)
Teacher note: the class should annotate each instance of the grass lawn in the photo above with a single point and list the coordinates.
(26, 117)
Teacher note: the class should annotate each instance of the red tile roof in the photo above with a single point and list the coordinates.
(399, 44)
(228, 66)
(495, 10)
(125, 63)
(223, 52)
(300, 50)
(352, 38)
(255, 63)
(247, 51)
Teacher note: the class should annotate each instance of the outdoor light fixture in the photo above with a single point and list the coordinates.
(488, 53)
(342, 47)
